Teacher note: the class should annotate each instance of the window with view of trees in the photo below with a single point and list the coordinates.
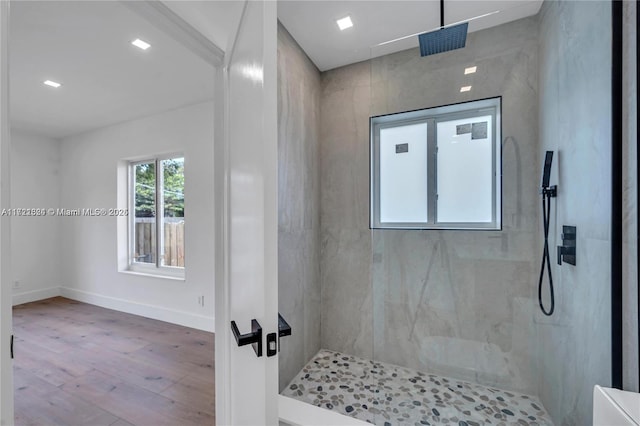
(157, 228)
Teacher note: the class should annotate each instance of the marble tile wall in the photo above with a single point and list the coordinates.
(345, 239)
(630, 253)
(298, 204)
(455, 303)
(573, 346)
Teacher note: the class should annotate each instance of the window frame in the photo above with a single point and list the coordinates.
(142, 267)
(432, 116)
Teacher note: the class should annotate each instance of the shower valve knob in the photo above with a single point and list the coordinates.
(564, 253)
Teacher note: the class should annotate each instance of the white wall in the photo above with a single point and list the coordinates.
(35, 241)
(88, 180)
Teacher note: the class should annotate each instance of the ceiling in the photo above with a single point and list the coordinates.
(85, 45)
(312, 23)
(217, 20)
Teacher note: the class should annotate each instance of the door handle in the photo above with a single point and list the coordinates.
(284, 329)
(273, 339)
(254, 337)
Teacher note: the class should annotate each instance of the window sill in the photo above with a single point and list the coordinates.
(150, 275)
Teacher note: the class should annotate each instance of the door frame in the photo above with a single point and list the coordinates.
(6, 297)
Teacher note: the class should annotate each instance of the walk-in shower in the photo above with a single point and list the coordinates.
(441, 323)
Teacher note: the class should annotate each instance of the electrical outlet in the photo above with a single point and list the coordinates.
(16, 284)
(201, 301)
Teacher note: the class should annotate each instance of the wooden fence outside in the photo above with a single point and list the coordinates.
(145, 242)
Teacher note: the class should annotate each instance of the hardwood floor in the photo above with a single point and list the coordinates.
(79, 364)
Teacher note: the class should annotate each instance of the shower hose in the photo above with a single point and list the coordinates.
(546, 218)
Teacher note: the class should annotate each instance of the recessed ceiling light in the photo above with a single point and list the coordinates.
(344, 23)
(465, 89)
(52, 83)
(141, 44)
(470, 70)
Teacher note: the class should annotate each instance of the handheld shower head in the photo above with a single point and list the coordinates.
(546, 171)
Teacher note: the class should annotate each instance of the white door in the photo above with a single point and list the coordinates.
(246, 220)
(6, 365)
(247, 224)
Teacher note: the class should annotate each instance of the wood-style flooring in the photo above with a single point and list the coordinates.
(79, 364)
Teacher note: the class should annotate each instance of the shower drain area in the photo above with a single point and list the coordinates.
(385, 394)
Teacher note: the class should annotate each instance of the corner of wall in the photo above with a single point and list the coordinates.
(35, 295)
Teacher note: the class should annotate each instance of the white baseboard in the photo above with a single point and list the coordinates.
(35, 295)
(186, 319)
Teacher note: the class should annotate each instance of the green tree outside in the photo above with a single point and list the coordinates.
(173, 173)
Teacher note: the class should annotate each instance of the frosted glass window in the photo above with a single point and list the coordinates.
(403, 174)
(437, 168)
(465, 170)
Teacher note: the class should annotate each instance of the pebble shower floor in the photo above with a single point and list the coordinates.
(385, 394)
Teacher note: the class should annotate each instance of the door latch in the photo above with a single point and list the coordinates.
(272, 344)
(273, 339)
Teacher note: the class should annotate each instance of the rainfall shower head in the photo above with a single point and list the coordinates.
(443, 39)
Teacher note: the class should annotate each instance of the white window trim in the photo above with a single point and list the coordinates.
(490, 106)
(147, 269)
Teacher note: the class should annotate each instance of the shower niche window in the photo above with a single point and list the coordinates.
(437, 168)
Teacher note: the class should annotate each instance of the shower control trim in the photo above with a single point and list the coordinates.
(567, 251)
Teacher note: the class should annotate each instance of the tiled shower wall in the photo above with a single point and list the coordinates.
(574, 345)
(455, 303)
(298, 204)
